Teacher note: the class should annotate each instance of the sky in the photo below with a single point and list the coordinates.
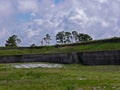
(30, 20)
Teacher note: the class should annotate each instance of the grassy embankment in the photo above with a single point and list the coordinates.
(69, 77)
(44, 50)
(99, 45)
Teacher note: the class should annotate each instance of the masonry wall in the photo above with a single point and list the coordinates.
(87, 58)
(101, 58)
(55, 58)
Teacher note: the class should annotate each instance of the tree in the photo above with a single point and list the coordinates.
(13, 41)
(33, 45)
(42, 42)
(75, 36)
(84, 37)
(68, 37)
(60, 37)
(47, 39)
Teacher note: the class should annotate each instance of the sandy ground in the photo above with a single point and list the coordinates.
(38, 65)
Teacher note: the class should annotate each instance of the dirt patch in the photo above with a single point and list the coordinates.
(38, 65)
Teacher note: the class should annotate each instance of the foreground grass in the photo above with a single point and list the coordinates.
(69, 77)
(66, 49)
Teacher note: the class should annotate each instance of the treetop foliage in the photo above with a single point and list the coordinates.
(72, 37)
(12, 41)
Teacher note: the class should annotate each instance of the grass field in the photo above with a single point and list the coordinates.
(67, 49)
(69, 77)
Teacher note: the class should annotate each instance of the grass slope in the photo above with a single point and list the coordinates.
(66, 49)
(69, 77)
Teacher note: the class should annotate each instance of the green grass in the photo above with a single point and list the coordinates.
(66, 49)
(69, 77)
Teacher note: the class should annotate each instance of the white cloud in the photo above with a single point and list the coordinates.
(103, 1)
(99, 18)
(32, 33)
(105, 24)
(38, 21)
(33, 14)
(6, 8)
(27, 5)
(3, 32)
(79, 17)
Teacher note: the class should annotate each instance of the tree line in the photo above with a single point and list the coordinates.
(61, 37)
(71, 37)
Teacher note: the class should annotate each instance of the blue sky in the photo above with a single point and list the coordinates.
(32, 19)
(58, 1)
